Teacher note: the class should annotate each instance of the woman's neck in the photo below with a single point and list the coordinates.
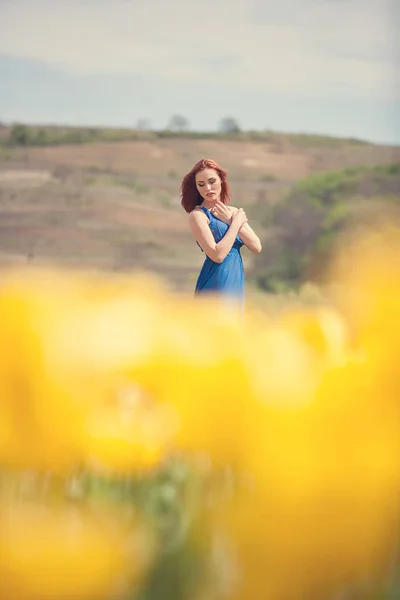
(208, 203)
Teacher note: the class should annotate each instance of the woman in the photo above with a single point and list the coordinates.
(219, 229)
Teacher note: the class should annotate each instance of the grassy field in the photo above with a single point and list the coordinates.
(115, 205)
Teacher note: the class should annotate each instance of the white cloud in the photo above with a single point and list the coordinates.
(305, 46)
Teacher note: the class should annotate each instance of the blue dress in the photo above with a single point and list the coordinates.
(227, 277)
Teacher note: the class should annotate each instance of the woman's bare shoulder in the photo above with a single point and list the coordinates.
(197, 215)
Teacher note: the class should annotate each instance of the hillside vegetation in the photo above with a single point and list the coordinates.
(304, 227)
(109, 199)
(20, 134)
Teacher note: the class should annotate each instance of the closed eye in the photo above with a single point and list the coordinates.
(201, 183)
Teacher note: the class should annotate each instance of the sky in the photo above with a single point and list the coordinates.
(313, 66)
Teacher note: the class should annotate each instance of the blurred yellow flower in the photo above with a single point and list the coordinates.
(69, 345)
(58, 551)
(320, 513)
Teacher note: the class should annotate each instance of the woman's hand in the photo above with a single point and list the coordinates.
(236, 218)
(222, 212)
(239, 218)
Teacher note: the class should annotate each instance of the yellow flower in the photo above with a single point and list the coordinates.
(52, 551)
(320, 510)
(69, 345)
(197, 373)
(323, 329)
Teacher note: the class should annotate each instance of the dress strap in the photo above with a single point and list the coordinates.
(205, 211)
(208, 214)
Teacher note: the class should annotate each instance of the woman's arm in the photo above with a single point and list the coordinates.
(198, 222)
(249, 238)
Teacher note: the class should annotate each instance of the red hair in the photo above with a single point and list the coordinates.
(190, 195)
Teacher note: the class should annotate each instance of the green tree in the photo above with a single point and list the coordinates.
(229, 125)
(143, 125)
(19, 135)
(42, 138)
(178, 123)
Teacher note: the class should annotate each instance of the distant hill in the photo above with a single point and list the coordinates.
(115, 204)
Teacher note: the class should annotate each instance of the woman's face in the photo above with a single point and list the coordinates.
(208, 182)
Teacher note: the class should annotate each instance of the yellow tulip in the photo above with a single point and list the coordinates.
(55, 551)
(69, 344)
